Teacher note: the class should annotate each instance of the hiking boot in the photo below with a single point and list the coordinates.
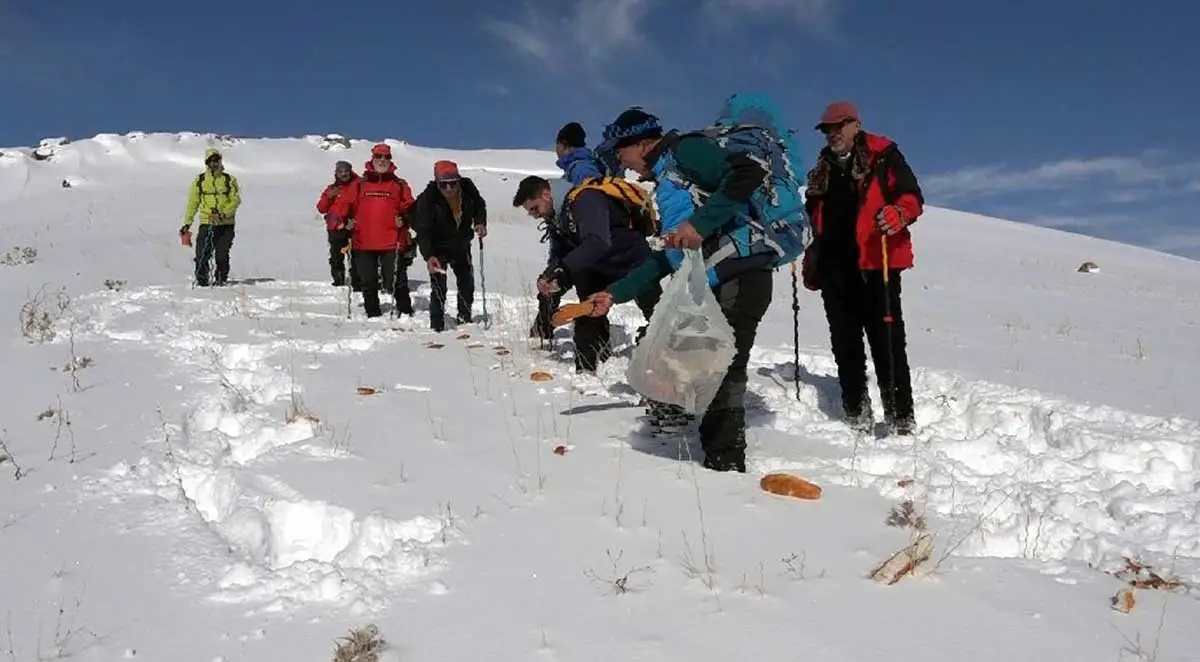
(903, 426)
(371, 303)
(723, 437)
(725, 461)
(862, 421)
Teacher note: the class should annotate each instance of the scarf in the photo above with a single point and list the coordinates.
(860, 165)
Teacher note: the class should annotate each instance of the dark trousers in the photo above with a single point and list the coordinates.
(745, 301)
(458, 262)
(394, 269)
(213, 240)
(592, 335)
(339, 240)
(854, 305)
(547, 304)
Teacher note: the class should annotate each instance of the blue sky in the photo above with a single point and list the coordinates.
(1071, 113)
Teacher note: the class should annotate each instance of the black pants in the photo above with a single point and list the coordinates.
(745, 301)
(213, 240)
(547, 304)
(394, 268)
(338, 241)
(459, 262)
(854, 305)
(592, 335)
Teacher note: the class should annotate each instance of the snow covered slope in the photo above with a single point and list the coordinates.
(193, 474)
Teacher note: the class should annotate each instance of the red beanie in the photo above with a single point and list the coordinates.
(445, 171)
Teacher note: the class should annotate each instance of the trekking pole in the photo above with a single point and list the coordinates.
(890, 398)
(348, 275)
(487, 321)
(796, 330)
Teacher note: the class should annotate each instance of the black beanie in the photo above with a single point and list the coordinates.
(572, 135)
(632, 125)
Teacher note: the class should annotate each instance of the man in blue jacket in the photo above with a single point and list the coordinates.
(593, 244)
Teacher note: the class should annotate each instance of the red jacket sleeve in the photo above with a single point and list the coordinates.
(405, 200)
(325, 202)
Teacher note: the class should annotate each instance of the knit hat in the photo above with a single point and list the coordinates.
(572, 135)
(631, 126)
(343, 165)
(838, 111)
(445, 171)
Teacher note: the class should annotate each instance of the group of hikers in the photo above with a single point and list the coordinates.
(859, 200)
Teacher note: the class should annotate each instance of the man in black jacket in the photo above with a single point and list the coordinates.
(594, 244)
(449, 212)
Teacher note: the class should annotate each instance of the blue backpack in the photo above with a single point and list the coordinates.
(776, 221)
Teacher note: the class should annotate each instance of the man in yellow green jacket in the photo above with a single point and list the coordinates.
(216, 196)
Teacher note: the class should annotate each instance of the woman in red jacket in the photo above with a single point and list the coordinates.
(382, 239)
(335, 204)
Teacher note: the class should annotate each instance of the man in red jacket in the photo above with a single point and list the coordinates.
(335, 204)
(862, 197)
(382, 240)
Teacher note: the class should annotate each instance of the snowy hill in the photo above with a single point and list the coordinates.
(192, 474)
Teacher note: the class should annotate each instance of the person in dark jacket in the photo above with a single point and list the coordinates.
(335, 204)
(450, 212)
(595, 245)
(862, 196)
(744, 283)
(578, 164)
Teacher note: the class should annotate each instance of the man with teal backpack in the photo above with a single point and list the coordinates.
(732, 191)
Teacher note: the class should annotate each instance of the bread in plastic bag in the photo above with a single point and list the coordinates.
(688, 345)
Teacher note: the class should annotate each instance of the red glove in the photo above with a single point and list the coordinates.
(891, 219)
(808, 271)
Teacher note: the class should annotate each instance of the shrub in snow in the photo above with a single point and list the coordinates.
(363, 645)
(18, 256)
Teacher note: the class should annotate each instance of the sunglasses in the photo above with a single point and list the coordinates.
(448, 185)
(836, 126)
(385, 157)
(213, 161)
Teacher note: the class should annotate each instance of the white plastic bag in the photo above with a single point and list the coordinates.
(688, 346)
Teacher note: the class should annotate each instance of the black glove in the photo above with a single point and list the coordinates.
(558, 275)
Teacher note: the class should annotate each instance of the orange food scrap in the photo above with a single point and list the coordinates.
(788, 485)
(1123, 601)
(540, 376)
(568, 312)
(560, 450)
(366, 390)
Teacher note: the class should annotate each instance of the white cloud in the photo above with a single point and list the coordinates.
(561, 31)
(525, 39)
(1118, 178)
(815, 14)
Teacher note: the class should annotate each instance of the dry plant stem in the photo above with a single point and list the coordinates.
(7, 456)
(62, 420)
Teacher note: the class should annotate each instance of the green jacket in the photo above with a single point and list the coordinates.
(213, 190)
(732, 178)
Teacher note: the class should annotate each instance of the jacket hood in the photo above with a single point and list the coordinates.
(211, 152)
(579, 164)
